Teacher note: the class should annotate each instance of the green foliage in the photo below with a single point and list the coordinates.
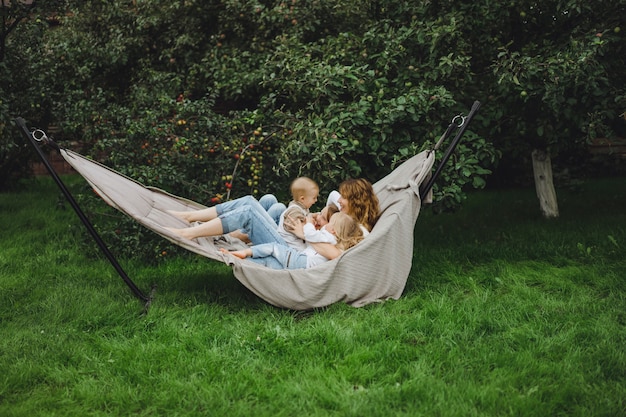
(21, 48)
(13, 154)
(467, 168)
(368, 102)
(169, 93)
(338, 103)
(557, 89)
(556, 67)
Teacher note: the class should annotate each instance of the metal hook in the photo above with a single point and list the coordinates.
(40, 136)
(455, 120)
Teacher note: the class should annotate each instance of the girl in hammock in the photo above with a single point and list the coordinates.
(342, 232)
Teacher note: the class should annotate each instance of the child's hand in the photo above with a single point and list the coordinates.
(295, 226)
(288, 224)
(321, 218)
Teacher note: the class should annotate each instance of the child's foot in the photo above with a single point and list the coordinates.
(241, 254)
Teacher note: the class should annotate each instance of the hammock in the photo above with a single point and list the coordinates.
(374, 270)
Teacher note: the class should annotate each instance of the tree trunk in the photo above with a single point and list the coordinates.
(542, 168)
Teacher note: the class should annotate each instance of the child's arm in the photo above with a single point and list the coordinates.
(313, 235)
(295, 227)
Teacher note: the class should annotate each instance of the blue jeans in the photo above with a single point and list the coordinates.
(270, 203)
(278, 256)
(247, 215)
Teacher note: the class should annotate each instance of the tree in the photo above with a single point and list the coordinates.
(11, 15)
(362, 83)
(557, 79)
(15, 17)
(361, 88)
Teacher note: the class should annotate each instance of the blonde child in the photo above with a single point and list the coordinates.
(342, 231)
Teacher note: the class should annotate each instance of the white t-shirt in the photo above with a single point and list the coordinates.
(316, 236)
(311, 234)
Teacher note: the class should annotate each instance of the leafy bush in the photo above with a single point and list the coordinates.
(329, 103)
(220, 98)
(267, 93)
(20, 90)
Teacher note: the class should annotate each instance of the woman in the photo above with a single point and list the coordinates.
(357, 200)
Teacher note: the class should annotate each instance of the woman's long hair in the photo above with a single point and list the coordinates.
(363, 202)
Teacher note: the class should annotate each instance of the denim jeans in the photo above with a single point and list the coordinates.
(247, 215)
(270, 203)
(278, 256)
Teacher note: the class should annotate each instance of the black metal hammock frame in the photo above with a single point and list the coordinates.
(37, 137)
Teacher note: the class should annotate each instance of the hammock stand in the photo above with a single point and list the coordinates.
(36, 137)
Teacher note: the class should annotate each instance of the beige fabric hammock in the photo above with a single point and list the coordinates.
(375, 270)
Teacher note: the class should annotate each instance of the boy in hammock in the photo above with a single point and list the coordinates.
(342, 231)
(304, 193)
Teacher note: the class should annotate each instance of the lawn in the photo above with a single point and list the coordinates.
(504, 313)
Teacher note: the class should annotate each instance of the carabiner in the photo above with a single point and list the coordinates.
(40, 136)
(455, 118)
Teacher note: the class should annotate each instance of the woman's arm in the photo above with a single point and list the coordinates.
(294, 226)
(327, 250)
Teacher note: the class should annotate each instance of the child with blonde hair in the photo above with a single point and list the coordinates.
(342, 231)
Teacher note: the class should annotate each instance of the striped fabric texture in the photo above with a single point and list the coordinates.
(374, 270)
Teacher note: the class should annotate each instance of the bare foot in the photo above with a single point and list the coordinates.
(241, 254)
(183, 215)
(180, 232)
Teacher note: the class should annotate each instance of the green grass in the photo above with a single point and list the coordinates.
(504, 313)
